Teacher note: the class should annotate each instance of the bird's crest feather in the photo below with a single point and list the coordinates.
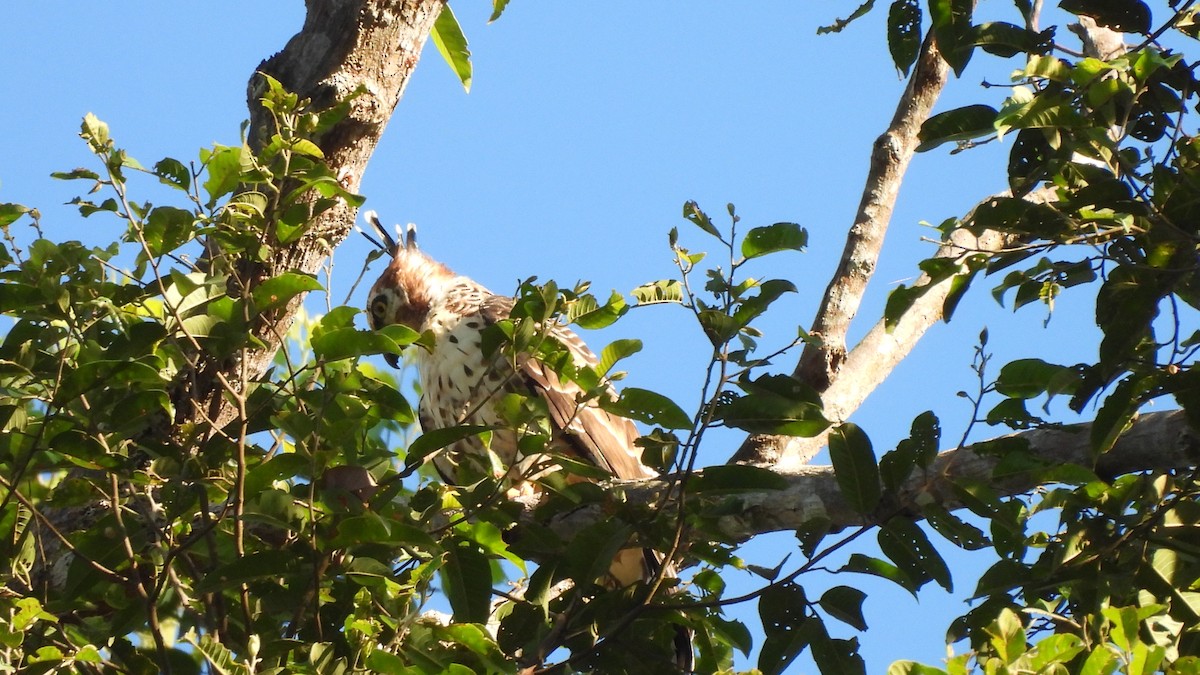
(386, 241)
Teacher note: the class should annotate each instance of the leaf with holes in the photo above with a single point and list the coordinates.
(647, 406)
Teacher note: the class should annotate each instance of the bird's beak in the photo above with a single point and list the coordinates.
(392, 360)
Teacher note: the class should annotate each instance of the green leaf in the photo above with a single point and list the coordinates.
(770, 413)
(658, 292)
(269, 563)
(76, 174)
(467, 581)
(370, 528)
(1029, 378)
(95, 133)
(498, 7)
(718, 326)
(224, 165)
(380, 661)
(615, 351)
(10, 212)
(783, 610)
(452, 45)
(925, 434)
(432, 440)
(1100, 662)
(854, 466)
(1005, 39)
(881, 568)
(278, 291)
(1128, 16)
(167, 228)
(345, 343)
(591, 551)
(769, 291)
(220, 660)
(840, 24)
(899, 301)
(1043, 111)
(490, 540)
(1127, 305)
(648, 407)
(692, 212)
(837, 656)
(906, 544)
(904, 33)
(845, 604)
(959, 532)
(587, 313)
(918, 449)
(285, 466)
(303, 146)
(961, 124)
(952, 28)
(724, 478)
(761, 241)
(1115, 416)
(1055, 650)
(173, 172)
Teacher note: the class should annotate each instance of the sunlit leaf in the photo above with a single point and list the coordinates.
(657, 292)
(452, 45)
(224, 165)
(279, 290)
(692, 212)
(498, 7)
(615, 351)
(761, 241)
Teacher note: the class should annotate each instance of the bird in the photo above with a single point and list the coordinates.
(462, 383)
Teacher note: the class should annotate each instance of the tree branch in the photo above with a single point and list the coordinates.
(889, 161)
(892, 151)
(1156, 441)
(346, 47)
(846, 379)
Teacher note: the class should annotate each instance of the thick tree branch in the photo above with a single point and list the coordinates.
(819, 364)
(879, 352)
(1156, 441)
(363, 47)
(846, 379)
(346, 47)
(889, 161)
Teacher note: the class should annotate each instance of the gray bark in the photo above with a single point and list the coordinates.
(1156, 442)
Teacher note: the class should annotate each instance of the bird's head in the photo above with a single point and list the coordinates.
(410, 285)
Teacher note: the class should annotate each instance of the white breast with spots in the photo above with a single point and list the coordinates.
(457, 386)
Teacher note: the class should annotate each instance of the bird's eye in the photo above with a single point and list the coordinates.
(378, 308)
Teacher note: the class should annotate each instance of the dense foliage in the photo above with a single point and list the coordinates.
(302, 532)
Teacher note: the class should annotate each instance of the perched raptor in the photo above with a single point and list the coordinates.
(461, 384)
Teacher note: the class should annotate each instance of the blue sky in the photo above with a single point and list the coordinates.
(587, 127)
